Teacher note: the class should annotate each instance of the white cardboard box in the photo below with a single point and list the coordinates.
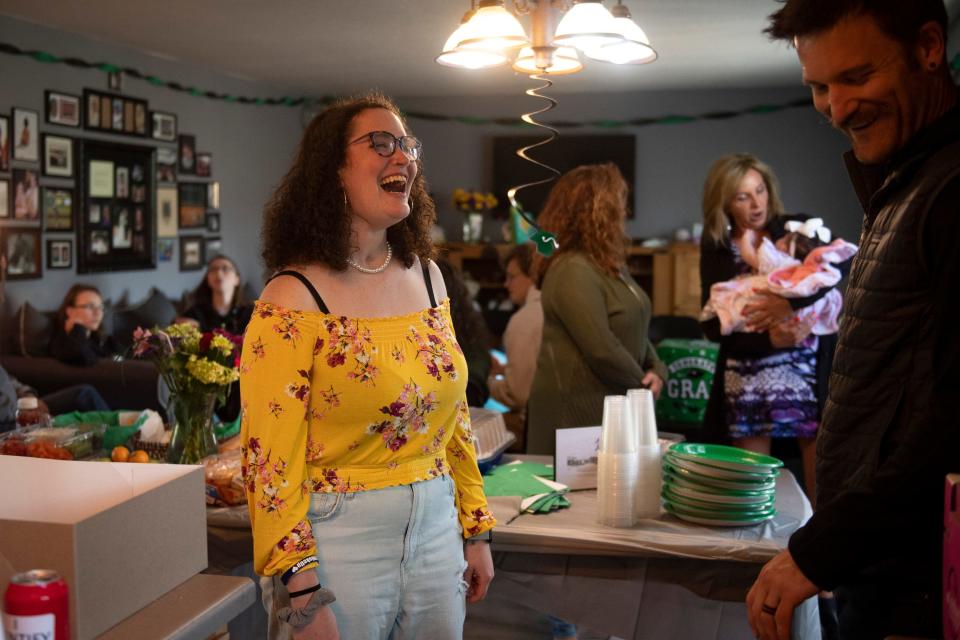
(120, 534)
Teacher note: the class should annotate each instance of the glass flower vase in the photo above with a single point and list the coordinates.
(192, 438)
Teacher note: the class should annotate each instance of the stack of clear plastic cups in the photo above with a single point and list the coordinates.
(617, 464)
(649, 471)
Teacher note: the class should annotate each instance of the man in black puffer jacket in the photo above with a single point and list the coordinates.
(889, 434)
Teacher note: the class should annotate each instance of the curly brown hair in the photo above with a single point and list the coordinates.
(585, 211)
(306, 220)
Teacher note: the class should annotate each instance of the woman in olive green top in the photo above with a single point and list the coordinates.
(595, 316)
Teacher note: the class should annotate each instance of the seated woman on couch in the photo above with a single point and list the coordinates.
(78, 338)
(217, 302)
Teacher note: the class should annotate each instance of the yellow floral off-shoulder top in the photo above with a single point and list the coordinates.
(349, 404)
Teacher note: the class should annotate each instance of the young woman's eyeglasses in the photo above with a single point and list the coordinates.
(90, 306)
(385, 144)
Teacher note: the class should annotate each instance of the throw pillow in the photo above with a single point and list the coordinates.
(35, 328)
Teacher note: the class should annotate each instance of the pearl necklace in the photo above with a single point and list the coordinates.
(363, 269)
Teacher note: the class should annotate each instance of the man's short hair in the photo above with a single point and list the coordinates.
(899, 19)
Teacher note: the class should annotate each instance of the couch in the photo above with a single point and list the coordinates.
(123, 383)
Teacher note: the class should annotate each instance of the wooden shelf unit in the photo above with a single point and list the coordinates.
(670, 275)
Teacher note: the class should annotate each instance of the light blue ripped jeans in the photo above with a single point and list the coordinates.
(394, 559)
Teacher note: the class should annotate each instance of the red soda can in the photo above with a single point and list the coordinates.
(36, 607)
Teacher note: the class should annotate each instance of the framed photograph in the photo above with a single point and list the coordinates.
(59, 254)
(62, 109)
(4, 199)
(123, 183)
(191, 253)
(57, 156)
(26, 135)
(212, 247)
(188, 154)
(213, 222)
(164, 126)
(166, 164)
(140, 118)
(106, 112)
(115, 232)
(4, 144)
(115, 81)
(21, 247)
(204, 164)
(167, 212)
(92, 120)
(192, 209)
(128, 119)
(213, 196)
(26, 195)
(165, 249)
(117, 120)
(57, 209)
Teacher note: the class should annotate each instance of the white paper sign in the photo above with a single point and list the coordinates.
(576, 457)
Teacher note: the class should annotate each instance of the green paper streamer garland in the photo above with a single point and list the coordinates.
(287, 101)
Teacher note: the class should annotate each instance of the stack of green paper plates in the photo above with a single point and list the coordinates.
(718, 485)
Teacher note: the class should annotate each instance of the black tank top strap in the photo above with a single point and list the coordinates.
(309, 285)
(425, 265)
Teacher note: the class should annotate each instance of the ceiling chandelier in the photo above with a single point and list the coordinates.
(490, 35)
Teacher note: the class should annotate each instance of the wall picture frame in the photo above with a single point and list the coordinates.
(212, 247)
(62, 108)
(57, 156)
(4, 198)
(164, 126)
(21, 248)
(26, 195)
(167, 212)
(166, 164)
(187, 163)
(26, 135)
(213, 196)
(4, 144)
(192, 209)
(213, 222)
(58, 209)
(191, 253)
(59, 254)
(204, 164)
(165, 247)
(113, 113)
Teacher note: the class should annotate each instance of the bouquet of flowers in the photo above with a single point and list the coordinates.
(198, 368)
(473, 201)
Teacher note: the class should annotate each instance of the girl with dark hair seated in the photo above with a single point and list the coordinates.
(78, 338)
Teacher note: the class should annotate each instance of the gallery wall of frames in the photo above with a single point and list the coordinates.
(120, 200)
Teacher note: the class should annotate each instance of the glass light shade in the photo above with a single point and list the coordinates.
(587, 25)
(565, 60)
(462, 58)
(633, 49)
(492, 28)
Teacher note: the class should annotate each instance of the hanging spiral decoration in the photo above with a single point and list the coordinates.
(545, 241)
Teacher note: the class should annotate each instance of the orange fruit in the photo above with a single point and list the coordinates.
(139, 456)
(120, 454)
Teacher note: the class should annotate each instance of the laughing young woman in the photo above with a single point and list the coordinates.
(359, 461)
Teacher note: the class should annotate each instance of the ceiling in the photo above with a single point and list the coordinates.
(321, 47)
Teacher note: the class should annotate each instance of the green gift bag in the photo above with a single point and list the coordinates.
(691, 364)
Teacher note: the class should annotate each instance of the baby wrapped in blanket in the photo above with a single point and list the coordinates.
(793, 268)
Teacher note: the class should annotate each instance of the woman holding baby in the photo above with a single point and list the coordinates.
(772, 369)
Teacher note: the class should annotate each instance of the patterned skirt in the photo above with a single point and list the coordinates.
(773, 396)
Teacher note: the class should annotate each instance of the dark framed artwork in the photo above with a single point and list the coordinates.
(164, 126)
(26, 135)
(4, 198)
(165, 249)
(4, 144)
(59, 254)
(115, 113)
(116, 230)
(57, 156)
(62, 108)
(213, 222)
(21, 248)
(192, 205)
(213, 247)
(188, 154)
(204, 164)
(191, 253)
(26, 195)
(167, 213)
(166, 164)
(57, 209)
